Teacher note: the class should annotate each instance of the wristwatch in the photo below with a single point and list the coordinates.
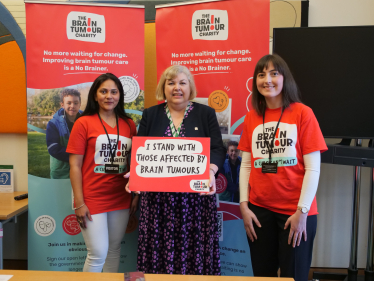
(304, 210)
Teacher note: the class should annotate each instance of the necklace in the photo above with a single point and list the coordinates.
(176, 127)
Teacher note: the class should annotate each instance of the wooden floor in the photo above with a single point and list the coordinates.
(22, 265)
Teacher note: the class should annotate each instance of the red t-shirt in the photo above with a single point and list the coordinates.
(102, 192)
(298, 134)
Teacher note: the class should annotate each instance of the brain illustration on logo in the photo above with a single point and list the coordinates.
(130, 87)
(44, 225)
(71, 225)
(221, 183)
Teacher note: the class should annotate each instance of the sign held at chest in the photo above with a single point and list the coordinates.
(170, 164)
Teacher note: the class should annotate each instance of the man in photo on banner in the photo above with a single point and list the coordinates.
(230, 170)
(58, 132)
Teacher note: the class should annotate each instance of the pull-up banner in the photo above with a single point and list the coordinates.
(220, 42)
(73, 44)
(68, 46)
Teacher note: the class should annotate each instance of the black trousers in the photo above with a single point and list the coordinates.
(271, 250)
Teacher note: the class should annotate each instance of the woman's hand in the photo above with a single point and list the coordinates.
(297, 229)
(134, 205)
(212, 183)
(81, 215)
(128, 182)
(248, 218)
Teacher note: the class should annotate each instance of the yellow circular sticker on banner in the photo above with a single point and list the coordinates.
(218, 100)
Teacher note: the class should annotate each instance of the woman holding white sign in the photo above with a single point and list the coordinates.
(281, 144)
(178, 232)
(99, 146)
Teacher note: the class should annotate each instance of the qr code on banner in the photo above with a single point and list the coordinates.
(220, 225)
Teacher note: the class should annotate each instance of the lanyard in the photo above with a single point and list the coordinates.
(272, 141)
(112, 154)
(175, 131)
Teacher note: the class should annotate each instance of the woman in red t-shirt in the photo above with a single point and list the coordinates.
(281, 144)
(99, 146)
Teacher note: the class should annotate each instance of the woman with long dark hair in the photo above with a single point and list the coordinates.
(281, 144)
(99, 147)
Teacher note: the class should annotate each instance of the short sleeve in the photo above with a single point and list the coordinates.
(245, 140)
(311, 138)
(78, 138)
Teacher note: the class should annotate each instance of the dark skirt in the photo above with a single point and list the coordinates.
(178, 234)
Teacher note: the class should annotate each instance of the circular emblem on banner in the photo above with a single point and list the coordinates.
(218, 100)
(221, 183)
(44, 225)
(132, 224)
(130, 87)
(71, 225)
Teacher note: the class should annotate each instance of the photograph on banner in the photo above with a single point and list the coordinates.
(227, 182)
(215, 47)
(161, 164)
(63, 60)
(223, 116)
(55, 112)
(234, 250)
(62, 70)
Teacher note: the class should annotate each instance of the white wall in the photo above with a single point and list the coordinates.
(341, 12)
(334, 196)
(13, 151)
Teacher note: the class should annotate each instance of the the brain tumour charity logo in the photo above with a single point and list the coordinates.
(70, 225)
(44, 225)
(86, 27)
(210, 25)
(221, 183)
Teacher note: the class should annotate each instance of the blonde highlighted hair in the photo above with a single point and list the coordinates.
(170, 73)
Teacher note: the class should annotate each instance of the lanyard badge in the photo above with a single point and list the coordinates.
(270, 168)
(111, 168)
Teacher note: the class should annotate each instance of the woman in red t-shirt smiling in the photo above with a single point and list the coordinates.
(99, 146)
(281, 144)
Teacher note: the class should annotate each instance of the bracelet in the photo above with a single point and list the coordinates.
(79, 206)
(214, 172)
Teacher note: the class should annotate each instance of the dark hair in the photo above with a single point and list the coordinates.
(232, 143)
(290, 91)
(92, 106)
(69, 92)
